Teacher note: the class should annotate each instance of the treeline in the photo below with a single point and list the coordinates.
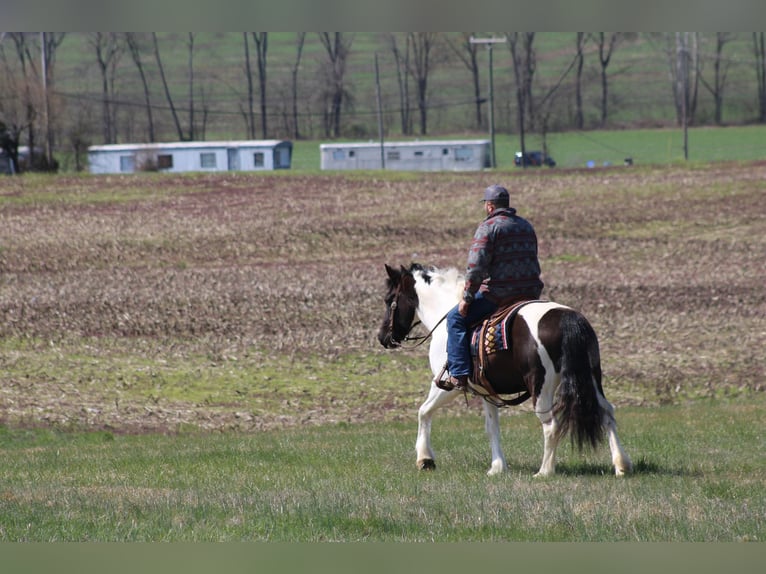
(61, 92)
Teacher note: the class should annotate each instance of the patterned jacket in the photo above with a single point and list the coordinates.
(502, 260)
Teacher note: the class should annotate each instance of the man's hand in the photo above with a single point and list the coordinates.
(462, 307)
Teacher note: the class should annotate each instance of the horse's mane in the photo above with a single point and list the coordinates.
(449, 279)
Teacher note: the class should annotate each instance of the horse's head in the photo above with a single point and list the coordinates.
(401, 305)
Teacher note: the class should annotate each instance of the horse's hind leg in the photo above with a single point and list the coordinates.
(551, 436)
(436, 398)
(551, 427)
(492, 425)
(620, 459)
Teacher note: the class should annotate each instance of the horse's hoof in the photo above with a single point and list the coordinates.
(427, 464)
(497, 469)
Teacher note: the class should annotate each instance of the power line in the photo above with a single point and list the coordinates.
(601, 144)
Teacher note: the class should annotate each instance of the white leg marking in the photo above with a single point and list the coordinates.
(436, 398)
(544, 407)
(620, 459)
(492, 426)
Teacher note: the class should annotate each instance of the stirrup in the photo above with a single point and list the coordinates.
(451, 383)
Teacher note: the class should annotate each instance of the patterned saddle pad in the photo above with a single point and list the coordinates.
(494, 333)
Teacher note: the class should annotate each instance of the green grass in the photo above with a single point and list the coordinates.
(254, 385)
(697, 479)
(576, 149)
(639, 85)
(230, 396)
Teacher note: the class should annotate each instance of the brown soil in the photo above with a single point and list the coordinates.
(668, 264)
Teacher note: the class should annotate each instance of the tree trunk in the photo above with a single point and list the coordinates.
(249, 116)
(135, 52)
(517, 58)
(422, 66)
(605, 50)
(579, 62)
(191, 86)
(261, 40)
(300, 41)
(167, 90)
(467, 52)
(107, 51)
(530, 67)
(402, 65)
(759, 49)
(337, 47)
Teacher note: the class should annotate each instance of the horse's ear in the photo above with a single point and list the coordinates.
(393, 274)
(408, 279)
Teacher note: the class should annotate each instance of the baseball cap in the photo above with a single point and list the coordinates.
(495, 192)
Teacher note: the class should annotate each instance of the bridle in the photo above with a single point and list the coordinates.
(419, 338)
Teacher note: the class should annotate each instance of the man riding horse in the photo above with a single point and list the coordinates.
(503, 268)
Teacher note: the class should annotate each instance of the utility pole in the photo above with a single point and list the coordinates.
(48, 149)
(380, 115)
(685, 103)
(489, 42)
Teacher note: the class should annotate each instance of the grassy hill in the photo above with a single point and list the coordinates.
(639, 88)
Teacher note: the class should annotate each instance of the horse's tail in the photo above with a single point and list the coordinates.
(577, 406)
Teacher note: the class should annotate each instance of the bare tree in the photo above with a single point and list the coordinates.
(12, 109)
(190, 49)
(545, 106)
(169, 98)
(300, 40)
(759, 50)
(402, 61)
(607, 43)
(50, 41)
(467, 53)
(530, 67)
(29, 111)
(108, 49)
(580, 40)
(524, 64)
(18, 100)
(422, 65)
(337, 45)
(261, 40)
(78, 131)
(249, 115)
(720, 70)
(682, 51)
(133, 42)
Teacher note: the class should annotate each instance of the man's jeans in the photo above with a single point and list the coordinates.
(458, 339)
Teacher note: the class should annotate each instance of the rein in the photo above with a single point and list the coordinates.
(422, 338)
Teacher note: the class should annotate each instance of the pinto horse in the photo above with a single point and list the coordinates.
(553, 356)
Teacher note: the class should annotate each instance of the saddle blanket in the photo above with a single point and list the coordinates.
(495, 331)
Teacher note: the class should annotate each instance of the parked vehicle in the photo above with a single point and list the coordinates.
(533, 158)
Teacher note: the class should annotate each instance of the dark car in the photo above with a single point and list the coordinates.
(533, 158)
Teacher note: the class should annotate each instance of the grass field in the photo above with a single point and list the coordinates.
(193, 357)
(576, 149)
(698, 477)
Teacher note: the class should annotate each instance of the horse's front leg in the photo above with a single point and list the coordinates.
(492, 425)
(436, 398)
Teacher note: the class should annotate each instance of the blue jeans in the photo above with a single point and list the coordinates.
(458, 338)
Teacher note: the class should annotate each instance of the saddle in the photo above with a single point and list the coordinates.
(488, 337)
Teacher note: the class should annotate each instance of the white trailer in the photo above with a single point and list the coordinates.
(248, 155)
(445, 155)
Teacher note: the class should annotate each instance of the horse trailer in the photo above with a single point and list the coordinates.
(444, 155)
(249, 155)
